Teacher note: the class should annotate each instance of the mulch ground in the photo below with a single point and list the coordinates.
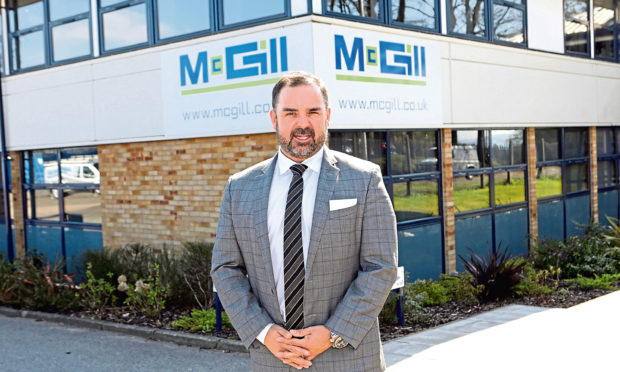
(432, 316)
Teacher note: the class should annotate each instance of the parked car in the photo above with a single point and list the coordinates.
(72, 172)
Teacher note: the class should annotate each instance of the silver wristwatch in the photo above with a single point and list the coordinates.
(337, 341)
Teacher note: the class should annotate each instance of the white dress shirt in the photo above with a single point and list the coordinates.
(278, 193)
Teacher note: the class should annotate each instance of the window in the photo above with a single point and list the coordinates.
(495, 20)
(577, 27)
(123, 24)
(63, 207)
(360, 8)
(417, 13)
(606, 29)
(26, 28)
(70, 29)
(240, 11)
(175, 18)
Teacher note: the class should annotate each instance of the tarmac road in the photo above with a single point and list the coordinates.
(30, 345)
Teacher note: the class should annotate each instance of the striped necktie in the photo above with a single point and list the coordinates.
(294, 271)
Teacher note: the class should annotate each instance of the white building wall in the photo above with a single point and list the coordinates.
(119, 98)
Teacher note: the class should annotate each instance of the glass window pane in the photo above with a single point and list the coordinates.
(125, 27)
(575, 143)
(576, 177)
(508, 24)
(71, 40)
(549, 181)
(470, 149)
(236, 11)
(362, 8)
(576, 25)
(28, 13)
(604, 43)
(467, 17)
(509, 187)
(45, 206)
(60, 9)
(413, 152)
(547, 144)
(420, 13)
(416, 199)
(182, 17)
(109, 2)
(42, 167)
(28, 50)
(606, 173)
(617, 137)
(365, 145)
(1, 48)
(80, 165)
(508, 147)
(471, 192)
(83, 206)
(605, 141)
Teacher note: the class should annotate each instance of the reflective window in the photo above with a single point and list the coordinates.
(548, 181)
(605, 141)
(467, 17)
(509, 187)
(576, 177)
(41, 167)
(71, 40)
(360, 8)
(182, 17)
(419, 13)
(28, 50)
(470, 149)
(508, 24)
(604, 26)
(413, 152)
(416, 199)
(364, 145)
(471, 192)
(606, 173)
(575, 143)
(236, 11)
(548, 144)
(1, 48)
(42, 205)
(125, 27)
(60, 9)
(508, 147)
(24, 14)
(576, 26)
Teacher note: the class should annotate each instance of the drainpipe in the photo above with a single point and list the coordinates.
(5, 181)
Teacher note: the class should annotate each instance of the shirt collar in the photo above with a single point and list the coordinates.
(313, 162)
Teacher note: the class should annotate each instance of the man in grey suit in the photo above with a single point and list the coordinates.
(306, 252)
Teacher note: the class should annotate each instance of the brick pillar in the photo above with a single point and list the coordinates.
(593, 176)
(531, 182)
(447, 198)
(19, 231)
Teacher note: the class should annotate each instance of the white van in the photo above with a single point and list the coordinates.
(72, 172)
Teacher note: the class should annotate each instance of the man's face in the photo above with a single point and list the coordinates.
(300, 120)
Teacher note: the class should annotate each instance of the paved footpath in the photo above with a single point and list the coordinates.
(30, 345)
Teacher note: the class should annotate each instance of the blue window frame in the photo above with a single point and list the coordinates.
(499, 21)
(414, 14)
(562, 162)
(61, 201)
(577, 27)
(124, 25)
(606, 29)
(608, 163)
(48, 32)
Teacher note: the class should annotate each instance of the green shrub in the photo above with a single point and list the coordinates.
(147, 296)
(103, 261)
(498, 274)
(534, 282)
(196, 264)
(201, 320)
(459, 287)
(41, 285)
(605, 281)
(587, 255)
(7, 281)
(412, 306)
(97, 293)
(431, 292)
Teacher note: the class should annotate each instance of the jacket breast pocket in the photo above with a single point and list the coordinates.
(343, 220)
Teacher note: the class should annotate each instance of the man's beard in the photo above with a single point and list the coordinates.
(301, 151)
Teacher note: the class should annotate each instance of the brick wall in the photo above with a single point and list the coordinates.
(448, 201)
(18, 210)
(593, 175)
(532, 190)
(170, 191)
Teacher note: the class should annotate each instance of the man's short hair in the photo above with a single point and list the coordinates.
(297, 78)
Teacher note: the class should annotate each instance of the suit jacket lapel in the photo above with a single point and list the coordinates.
(325, 188)
(260, 217)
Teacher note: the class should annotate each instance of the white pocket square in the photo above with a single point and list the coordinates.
(336, 204)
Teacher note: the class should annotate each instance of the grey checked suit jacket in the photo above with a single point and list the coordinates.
(351, 264)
